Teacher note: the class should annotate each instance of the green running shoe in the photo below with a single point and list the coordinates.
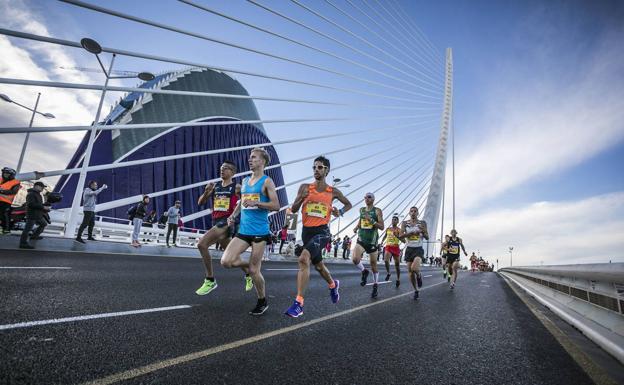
(248, 283)
(207, 287)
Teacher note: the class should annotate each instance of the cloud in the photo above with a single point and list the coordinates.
(546, 114)
(567, 232)
(24, 59)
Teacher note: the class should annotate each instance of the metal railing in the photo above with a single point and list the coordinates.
(589, 296)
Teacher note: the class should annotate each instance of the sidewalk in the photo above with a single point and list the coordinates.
(11, 242)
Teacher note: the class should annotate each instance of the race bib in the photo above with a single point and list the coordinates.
(391, 239)
(317, 209)
(414, 237)
(365, 224)
(249, 198)
(454, 250)
(221, 203)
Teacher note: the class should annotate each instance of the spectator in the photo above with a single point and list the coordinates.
(346, 242)
(336, 246)
(9, 186)
(162, 221)
(89, 200)
(136, 215)
(283, 237)
(173, 215)
(35, 212)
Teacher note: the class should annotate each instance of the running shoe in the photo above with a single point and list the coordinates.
(207, 287)
(419, 279)
(296, 309)
(248, 283)
(333, 293)
(387, 277)
(398, 283)
(452, 285)
(365, 273)
(80, 240)
(416, 294)
(374, 293)
(444, 274)
(260, 308)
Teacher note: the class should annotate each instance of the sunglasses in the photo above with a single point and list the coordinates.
(368, 197)
(318, 167)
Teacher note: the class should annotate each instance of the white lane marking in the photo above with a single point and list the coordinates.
(143, 370)
(89, 317)
(35, 267)
(282, 269)
(380, 282)
(427, 276)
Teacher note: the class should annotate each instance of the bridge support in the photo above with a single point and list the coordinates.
(436, 190)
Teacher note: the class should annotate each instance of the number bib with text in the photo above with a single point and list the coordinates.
(250, 197)
(221, 203)
(316, 209)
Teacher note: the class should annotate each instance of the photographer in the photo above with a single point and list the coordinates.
(36, 212)
(89, 198)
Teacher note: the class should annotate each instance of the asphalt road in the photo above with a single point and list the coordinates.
(480, 333)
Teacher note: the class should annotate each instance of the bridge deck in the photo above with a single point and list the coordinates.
(480, 333)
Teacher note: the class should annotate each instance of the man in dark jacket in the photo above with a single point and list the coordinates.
(35, 213)
(137, 220)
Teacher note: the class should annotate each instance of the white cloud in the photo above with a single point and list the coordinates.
(549, 116)
(584, 231)
(24, 59)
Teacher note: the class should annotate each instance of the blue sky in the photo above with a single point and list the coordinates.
(537, 97)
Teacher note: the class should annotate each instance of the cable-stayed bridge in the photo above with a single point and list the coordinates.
(358, 82)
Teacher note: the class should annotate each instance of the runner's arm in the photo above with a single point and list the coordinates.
(379, 225)
(206, 194)
(342, 199)
(461, 243)
(271, 192)
(425, 232)
(402, 233)
(235, 213)
(301, 195)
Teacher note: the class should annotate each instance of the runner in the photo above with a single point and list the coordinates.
(315, 200)
(392, 250)
(258, 197)
(473, 262)
(224, 200)
(443, 254)
(414, 230)
(371, 220)
(454, 244)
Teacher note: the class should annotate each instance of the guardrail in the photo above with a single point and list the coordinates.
(120, 230)
(590, 297)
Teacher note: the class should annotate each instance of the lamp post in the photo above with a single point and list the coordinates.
(94, 48)
(336, 183)
(47, 115)
(510, 255)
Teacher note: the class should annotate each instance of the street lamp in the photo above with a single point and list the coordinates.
(95, 48)
(336, 183)
(46, 115)
(510, 255)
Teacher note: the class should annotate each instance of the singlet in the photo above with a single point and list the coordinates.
(414, 239)
(391, 239)
(254, 220)
(223, 200)
(317, 206)
(453, 246)
(368, 234)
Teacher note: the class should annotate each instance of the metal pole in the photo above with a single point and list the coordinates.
(32, 118)
(453, 156)
(71, 224)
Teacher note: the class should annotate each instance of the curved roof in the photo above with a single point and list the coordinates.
(137, 107)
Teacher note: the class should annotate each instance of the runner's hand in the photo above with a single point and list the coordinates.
(104, 186)
(230, 221)
(335, 212)
(355, 229)
(250, 203)
(209, 187)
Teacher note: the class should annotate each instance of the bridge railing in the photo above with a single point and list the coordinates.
(590, 297)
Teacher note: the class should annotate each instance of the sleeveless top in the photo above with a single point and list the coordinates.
(391, 239)
(254, 220)
(368, 234)
(317, 206)
(413, 239)
(453, 246)
(224, 200)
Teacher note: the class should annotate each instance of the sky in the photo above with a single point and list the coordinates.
(538, 102)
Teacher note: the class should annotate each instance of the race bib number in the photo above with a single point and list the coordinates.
(454, 250)
(317, 209)
(221, 203)
(248, 198)
(414, 237)
(365, 224)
